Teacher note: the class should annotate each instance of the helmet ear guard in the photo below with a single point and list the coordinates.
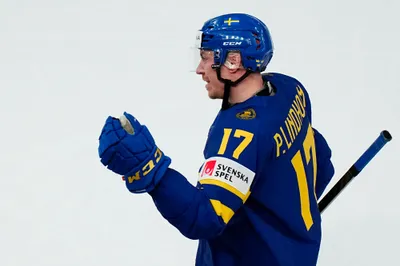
(224, 61)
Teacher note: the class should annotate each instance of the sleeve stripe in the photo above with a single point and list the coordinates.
(222, 210)
(231, 189)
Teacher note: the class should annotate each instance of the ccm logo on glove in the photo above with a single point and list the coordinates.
(146, 169)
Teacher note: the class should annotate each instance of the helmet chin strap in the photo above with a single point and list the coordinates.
(228, 85)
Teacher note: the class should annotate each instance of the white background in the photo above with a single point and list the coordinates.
(66, 65)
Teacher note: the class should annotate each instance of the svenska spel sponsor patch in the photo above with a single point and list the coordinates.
(228, 171)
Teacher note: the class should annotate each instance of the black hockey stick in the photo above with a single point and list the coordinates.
(383, 138)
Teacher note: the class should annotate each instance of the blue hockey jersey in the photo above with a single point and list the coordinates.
(255, 202)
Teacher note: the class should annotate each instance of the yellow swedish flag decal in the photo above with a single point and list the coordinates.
(230, 21)
(247, 114)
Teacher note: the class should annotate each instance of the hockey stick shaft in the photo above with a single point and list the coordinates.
(383, 138)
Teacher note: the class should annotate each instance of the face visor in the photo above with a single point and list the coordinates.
(196, 52)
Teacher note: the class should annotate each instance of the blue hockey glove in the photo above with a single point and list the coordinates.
(135, 156)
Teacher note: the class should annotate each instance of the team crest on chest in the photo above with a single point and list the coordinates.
(246, 114)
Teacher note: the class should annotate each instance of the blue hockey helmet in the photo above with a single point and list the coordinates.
(238, 32)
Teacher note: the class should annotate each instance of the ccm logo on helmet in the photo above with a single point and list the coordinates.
(232, 43)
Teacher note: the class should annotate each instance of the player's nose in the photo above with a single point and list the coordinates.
(200, 69)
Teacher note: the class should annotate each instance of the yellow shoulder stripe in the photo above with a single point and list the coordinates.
(231, 189)
(222, 210)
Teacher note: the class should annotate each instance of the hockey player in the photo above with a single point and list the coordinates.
(255, 203)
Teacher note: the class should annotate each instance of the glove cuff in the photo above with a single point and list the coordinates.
(145, 177)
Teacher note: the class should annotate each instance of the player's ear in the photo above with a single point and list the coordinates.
(233, 62)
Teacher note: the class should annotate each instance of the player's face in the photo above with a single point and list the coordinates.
(214, 87)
